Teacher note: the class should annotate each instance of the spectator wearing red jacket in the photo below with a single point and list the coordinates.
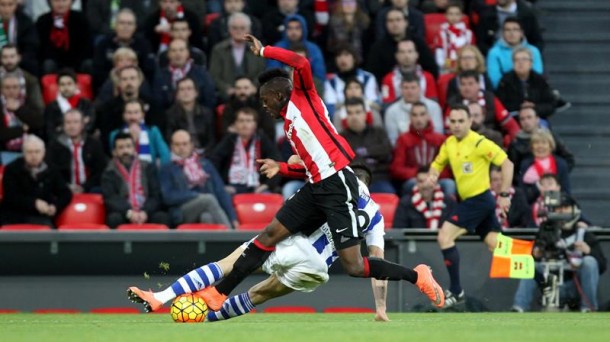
(417, 148)
(496, 116)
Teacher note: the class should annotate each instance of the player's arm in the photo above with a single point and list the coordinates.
(270, 168)
(380, 288)
(499, 158)
(303, 78)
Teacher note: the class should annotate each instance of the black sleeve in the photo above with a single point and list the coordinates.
(519, 215)
(61, 193)
(562, 151)
(98, 165)
(401, 217)
(153, 196)
(269, 150)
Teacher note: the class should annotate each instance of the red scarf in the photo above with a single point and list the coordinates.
(453, 38)
(133, 180)
(60, 37)
(194, 173)
(163, 20)
(438, 204)
(540, 170)
(79, 170)
(11, 120)
(243, 169)
(503, 221)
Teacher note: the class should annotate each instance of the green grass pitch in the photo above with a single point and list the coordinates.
(446, 327)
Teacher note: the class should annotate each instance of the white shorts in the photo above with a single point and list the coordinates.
(297, 264)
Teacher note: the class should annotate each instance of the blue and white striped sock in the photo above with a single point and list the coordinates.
(193, 281)
(233, 307)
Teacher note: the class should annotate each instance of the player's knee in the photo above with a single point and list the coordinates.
(443, 238)
(272, 234)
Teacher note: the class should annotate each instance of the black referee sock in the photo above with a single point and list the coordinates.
(384, 270)
(251, 259)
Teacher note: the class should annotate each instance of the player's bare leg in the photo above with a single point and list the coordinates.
(357, 266)
(190, 282)
(252, 258)
(268, 289)
(447, 235)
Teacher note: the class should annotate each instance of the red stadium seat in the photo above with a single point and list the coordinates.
(209, 18)
(387, 206)
(163, 310)
(289, 309)
(255, 211)
(442, 86)
(144, 226)
(201, 226)
(8, 311)
(116, 310)
(49, 87)
(56, 311)
(348, 309)
(83, 226)
(84, 209)
(25, 227)
(433, 22)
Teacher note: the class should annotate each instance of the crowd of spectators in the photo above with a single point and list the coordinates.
(168, 126)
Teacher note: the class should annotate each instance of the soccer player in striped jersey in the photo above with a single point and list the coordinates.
(299, 263)
(331, 194)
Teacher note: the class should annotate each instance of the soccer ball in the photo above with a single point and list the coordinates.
(189, 308)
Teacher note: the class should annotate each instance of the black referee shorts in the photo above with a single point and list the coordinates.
(333, 200)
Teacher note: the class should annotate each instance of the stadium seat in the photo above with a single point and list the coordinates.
(289, 309)
(255, 211)
(143, 226)
(442, 86)
(116, 310)
(84, 209)
(348, 309)
(433, 22)
(56, 311)
(387, 205)
(25, 227)
(163, 310)
(8, 311)
(49, 87)
(83, 226)
(209, 18)
(201, 226)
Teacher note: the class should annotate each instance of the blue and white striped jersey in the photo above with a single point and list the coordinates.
(369, 219)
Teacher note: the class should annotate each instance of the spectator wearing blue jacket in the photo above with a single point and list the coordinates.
(150, 145)
(500, 56)
(296, 32)
(192, 188)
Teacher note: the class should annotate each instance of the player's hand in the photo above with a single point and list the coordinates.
(269, 167)
(52, 210)
(255, 44)
(294, 159)
(41, 206)
(381, 316)
(504, 205)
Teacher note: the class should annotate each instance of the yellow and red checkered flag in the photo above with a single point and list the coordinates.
(512, 258)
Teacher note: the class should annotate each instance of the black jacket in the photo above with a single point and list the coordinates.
(203, 120)
(106, 47)
(21, 191)
(27, 42)
(54, 118)
(520, 212)
(222, 156)
(81, 44)
(99, 13)
(266, 123)
(409, 217)
(512, 93)
(28, 114)
(373, 148)
(487, 28)
(60, 156)
(381, 59)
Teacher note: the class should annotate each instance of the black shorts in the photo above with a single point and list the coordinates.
(333, 200)
(477, 215)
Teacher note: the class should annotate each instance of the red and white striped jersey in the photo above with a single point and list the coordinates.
(307, 124)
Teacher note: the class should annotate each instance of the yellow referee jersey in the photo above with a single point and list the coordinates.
(469, 159)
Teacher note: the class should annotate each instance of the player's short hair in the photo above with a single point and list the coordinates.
(270, 74)
(494, 168)
(121, 136)
(355, 101)
(8, 47)
(350, 81)
(460, 106)
(423, 169)
(132, 101)
(67, 72)
(363, 173)
(418, 104)
(248, 111)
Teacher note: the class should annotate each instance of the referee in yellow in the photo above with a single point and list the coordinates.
(469, 155)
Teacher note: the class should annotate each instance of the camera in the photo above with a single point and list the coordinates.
(548, 242)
